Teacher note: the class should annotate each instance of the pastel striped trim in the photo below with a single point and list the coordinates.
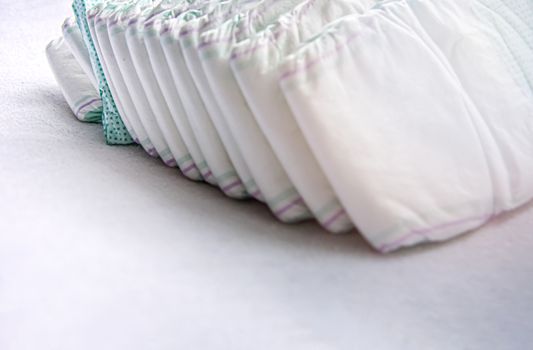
(189, 168)
(232, 185)
(300, 69)
(426, 232)
(334, 218)
(289, 206)
(91, 102)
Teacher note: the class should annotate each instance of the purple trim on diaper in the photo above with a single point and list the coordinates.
(133, 21)
(289, 206)
(136, 140)
(113, 23)
(334, 218)
(206, 24)
(256, 194)
(86, 104)
(237, 55)
(207, 175)
(67, 24)
(189, 168)
(212, 42)
(253, 49)
(276, 33)
(387, 247)
(311, 63)
(149, 24)
(152, 16)
(231, 185)
(187, 32)
(171, 163)
(184, 31)
(165, 30)
(152, 152)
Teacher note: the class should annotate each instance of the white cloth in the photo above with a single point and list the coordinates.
(80, 94)
(255, 64)
(214, 51)
(393, 121)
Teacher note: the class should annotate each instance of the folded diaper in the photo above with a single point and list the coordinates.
(215, 49)
(115, 131)
(116, 82)
(73, 38)
(99, 47)
(255, 63)
(80, 94)
(189, 41)
(379, 101)
(204, 133)
(169, 92)
(222, 170)
(158, 106)
(118, 21)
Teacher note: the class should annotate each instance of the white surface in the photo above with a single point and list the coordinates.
(105, 248)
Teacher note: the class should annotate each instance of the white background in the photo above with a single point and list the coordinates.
(104, 248)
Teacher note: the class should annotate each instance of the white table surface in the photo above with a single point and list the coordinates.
(104, 248)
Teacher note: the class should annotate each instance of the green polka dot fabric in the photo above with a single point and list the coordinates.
(115, 131)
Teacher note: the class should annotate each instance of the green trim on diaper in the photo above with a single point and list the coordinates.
(117, 29)
(209, 53)
(228, 175)
(186, 158)
(203, 165)
(283, 196)
(168, 39)
(323, 213)
(94, 116)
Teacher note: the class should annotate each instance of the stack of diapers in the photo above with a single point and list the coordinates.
(407, 121)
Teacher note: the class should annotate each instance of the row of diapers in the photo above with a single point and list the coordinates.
(421, 123)
(408, 120)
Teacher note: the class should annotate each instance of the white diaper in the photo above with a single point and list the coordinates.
(238, 176)
(205, 137)
(222, 171)
(105, 68)
(116, 27)
(73, 38)
(255, 63)
(215, 49)
(415, 162)
(159, 107)
(80, 94)
(170, 94)
(115, 80)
